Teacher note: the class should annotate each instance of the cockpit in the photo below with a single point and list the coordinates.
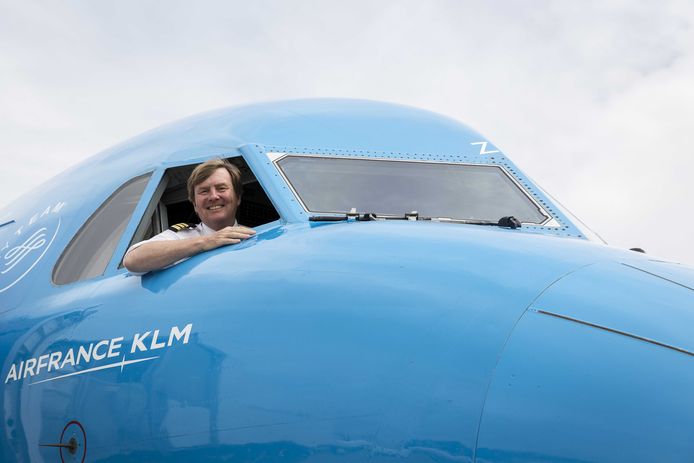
(320, 185)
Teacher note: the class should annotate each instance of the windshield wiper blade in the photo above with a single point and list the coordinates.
(361, 216)
(327, 218)
(506, 221)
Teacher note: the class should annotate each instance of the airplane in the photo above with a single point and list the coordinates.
(410, 295)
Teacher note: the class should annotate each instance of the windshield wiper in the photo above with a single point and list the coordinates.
(351, 215)
(506, 221)
(509, 221)
(364, 217)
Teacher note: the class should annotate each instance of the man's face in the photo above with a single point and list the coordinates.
(216, 200)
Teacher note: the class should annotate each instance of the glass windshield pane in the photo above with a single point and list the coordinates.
(469, 192)
(91, 249)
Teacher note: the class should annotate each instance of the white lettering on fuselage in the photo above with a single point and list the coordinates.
(31, 241)
(483, 147)
(86, 354)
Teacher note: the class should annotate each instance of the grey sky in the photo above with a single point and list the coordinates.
(593, 99)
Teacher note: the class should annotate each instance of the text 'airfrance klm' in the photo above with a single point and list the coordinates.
(81, 355)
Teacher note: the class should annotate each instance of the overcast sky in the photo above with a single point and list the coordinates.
(592, 99)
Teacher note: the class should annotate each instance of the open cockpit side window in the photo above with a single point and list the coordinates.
(170, 204)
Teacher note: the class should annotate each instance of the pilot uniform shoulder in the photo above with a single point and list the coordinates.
(182, 226)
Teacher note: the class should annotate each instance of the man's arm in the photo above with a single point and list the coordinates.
(154, 255)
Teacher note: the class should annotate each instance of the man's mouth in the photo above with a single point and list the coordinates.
(214, 208)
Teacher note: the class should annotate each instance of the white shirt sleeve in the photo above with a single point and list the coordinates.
(170, 235)
(166, 235)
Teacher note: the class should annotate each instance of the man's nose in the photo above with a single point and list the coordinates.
(214, 193)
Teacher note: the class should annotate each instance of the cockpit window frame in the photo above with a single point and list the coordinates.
(550, 221)
(155, 194)
(72, 257)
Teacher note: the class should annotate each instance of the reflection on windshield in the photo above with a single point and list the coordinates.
(468, 192)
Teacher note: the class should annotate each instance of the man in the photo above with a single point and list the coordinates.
(215, 190)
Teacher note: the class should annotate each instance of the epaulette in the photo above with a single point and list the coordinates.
(181, 226)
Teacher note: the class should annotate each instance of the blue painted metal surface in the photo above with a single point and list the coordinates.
(354, 341)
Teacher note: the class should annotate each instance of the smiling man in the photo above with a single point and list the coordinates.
(215, 190)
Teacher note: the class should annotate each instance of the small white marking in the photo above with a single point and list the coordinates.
(35, 262)
(17, 253)
(483, 147)
(58, 207)
(120, 364)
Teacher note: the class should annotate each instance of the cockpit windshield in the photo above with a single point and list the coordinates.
(388, 187)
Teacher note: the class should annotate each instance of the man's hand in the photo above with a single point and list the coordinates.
(226, 236)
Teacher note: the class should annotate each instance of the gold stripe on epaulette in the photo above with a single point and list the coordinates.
(180, 226)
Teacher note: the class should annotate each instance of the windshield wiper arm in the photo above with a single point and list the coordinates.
(364, 216)
(360, 217)
(506, 221)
